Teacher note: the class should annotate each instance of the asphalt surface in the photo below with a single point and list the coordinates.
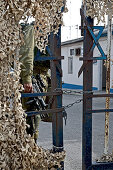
(73, 132)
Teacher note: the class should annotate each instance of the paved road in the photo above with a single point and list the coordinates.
(73, 132)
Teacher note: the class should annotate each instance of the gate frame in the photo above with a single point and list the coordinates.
(87, 69)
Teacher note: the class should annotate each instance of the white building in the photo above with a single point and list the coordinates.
(72, 50)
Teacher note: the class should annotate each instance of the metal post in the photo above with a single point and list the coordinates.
(109, 37)
(87, 102)
(56, 82)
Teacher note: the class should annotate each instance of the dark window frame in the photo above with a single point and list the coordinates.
(70, 65)
(71, 52)
(77, 51)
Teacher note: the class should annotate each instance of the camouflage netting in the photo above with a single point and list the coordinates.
(17, 149)
(98, 9)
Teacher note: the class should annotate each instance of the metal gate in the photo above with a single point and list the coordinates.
(90, 41)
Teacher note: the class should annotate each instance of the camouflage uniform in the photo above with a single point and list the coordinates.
(27, 57)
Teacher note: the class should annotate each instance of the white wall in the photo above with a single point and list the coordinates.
(97, 68)
(71, 78)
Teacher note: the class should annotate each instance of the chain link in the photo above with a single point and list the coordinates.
(76, 92)
(71, 104)
(72, 92)
(68, 106)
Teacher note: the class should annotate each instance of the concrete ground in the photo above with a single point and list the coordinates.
(73, 132)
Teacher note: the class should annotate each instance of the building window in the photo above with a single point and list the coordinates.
(71, 51)
(70, 65)
(78, 51)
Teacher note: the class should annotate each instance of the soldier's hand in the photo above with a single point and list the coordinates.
(28, 88)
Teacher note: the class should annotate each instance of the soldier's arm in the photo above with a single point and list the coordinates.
(27, 57)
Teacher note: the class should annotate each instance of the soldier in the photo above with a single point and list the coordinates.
(27, 57)
(29, 68)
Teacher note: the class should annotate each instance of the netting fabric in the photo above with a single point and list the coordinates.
(17, 149)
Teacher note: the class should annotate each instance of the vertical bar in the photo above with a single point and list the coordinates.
(109, 37)
(87, 103)
(56, 82)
